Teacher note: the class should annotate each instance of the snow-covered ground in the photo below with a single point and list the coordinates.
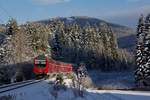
(112, 80)
(46, 91)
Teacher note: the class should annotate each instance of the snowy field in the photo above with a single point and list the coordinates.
(45, 91)
(112, 80)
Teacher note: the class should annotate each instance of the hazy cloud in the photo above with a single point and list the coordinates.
(128, 17)
(46, 2)
(135, 11)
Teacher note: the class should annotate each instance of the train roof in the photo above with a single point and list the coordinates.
(59, 62)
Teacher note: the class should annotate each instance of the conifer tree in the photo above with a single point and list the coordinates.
(140, 49)
(143, 51)
(146, 55)
(11, 31)
(11, 27)
(39, 38)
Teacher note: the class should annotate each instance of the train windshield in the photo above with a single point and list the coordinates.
(40, 61)
(40, 65)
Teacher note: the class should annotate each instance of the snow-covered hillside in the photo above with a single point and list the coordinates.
(46, 91)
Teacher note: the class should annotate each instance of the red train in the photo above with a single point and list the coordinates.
(42, 65)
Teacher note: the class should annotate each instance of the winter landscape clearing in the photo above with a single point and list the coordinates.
(74, 50)
(112, 80)
(44, 91)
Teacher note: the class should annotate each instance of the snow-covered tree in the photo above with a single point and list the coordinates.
(143, 51)
(5, 51)
(8, 44)
(140, 48)
(146, 56)
(38, 38)
(11, 27)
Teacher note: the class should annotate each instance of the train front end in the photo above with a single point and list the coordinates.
(41, 65)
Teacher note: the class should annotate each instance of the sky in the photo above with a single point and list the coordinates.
(124, 12)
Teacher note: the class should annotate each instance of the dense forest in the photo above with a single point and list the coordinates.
(94, 45)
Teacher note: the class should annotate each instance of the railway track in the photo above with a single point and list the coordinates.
(18, 85)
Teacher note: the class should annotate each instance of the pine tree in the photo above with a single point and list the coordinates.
(13, 47)
(146, 55)
(58, 40)
(39, 38)
(106, 44)
(11, 27)
(140, 49)
(4, 51)
(18, 43)
(143, 51)
(113, 44)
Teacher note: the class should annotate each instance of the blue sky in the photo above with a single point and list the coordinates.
(125, 12)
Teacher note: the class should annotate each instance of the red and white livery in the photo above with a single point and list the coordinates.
(42, 65)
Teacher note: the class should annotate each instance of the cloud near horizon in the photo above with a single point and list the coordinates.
(47, 2)
(128, 17)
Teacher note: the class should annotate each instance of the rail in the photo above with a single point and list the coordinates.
(17, 85)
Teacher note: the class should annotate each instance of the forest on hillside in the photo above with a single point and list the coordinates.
(96, 46)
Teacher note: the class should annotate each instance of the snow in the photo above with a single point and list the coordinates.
(70, 20)
(32, 92)
(45, 91)
(112, 80)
